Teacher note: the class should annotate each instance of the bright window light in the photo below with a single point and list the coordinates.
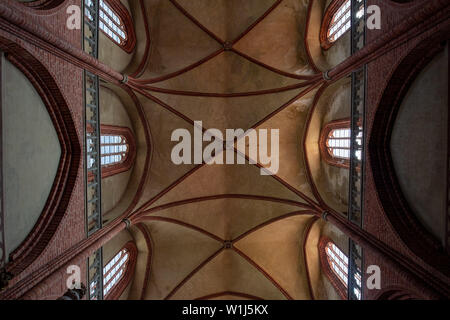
(112, 272)
(341, 21)
(109, 22)
(338, 262)
(338, 143)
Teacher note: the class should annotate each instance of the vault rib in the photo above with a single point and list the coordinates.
(226, 46)
(192, 273)
(305, 157)
(147, 134)
(196, 22)
(311, 202)
(162, 104)
(183, 224)
(225, 196)
(142, 88)
(179, 72)
(256, 22)
(287, 104)
(305, 260)
(271, 221)
(281, 72)
(163, 192)
(266, 274)
(141, 67)
(141, 227)
(229, 293)
(305, 40)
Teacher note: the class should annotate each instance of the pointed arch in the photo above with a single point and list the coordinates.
(334, 143)
(42, 4)
(64, 183)
(119, 271)
(337, 21)
(398, 293)
(396, 208)
(116, 23)
(332, 261)
(118, 150)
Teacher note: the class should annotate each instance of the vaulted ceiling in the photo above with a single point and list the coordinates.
(225, 231)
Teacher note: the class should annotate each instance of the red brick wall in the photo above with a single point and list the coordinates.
(375, 220)
(69, 79)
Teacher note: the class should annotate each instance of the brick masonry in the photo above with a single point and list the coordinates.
(375, 220)
(71, 230)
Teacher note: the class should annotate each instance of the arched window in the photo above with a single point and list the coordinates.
(337, 21)
(340, 22)
(42, 4)
(338, 262)
(114, 271)
(338, 143)
(114, 149)
(115, 22)
(335, 266)
(335, 141)
(117, 273)
(117, 150)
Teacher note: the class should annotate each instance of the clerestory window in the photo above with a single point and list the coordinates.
(335, 143)
(115, 22)
(337, 21)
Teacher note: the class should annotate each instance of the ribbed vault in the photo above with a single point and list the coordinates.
(226, 231)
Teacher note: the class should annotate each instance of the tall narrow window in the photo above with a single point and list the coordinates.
(117, 150)
(117, 272)
(111, 24)
(340, 22)
(335, 266)
(337, 21)
(338, 143)
(335, 142)
(338, 262)
(115, 21)
(114, 270)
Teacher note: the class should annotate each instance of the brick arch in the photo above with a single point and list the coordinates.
(392, 200)
(60, 194)
(131, 153)
(43, 4)
(127, 20)
(326, 269)
(332, 8)
(398, 293)
(402, 1)
(128, 162)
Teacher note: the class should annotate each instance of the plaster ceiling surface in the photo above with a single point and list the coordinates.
(227, 231)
